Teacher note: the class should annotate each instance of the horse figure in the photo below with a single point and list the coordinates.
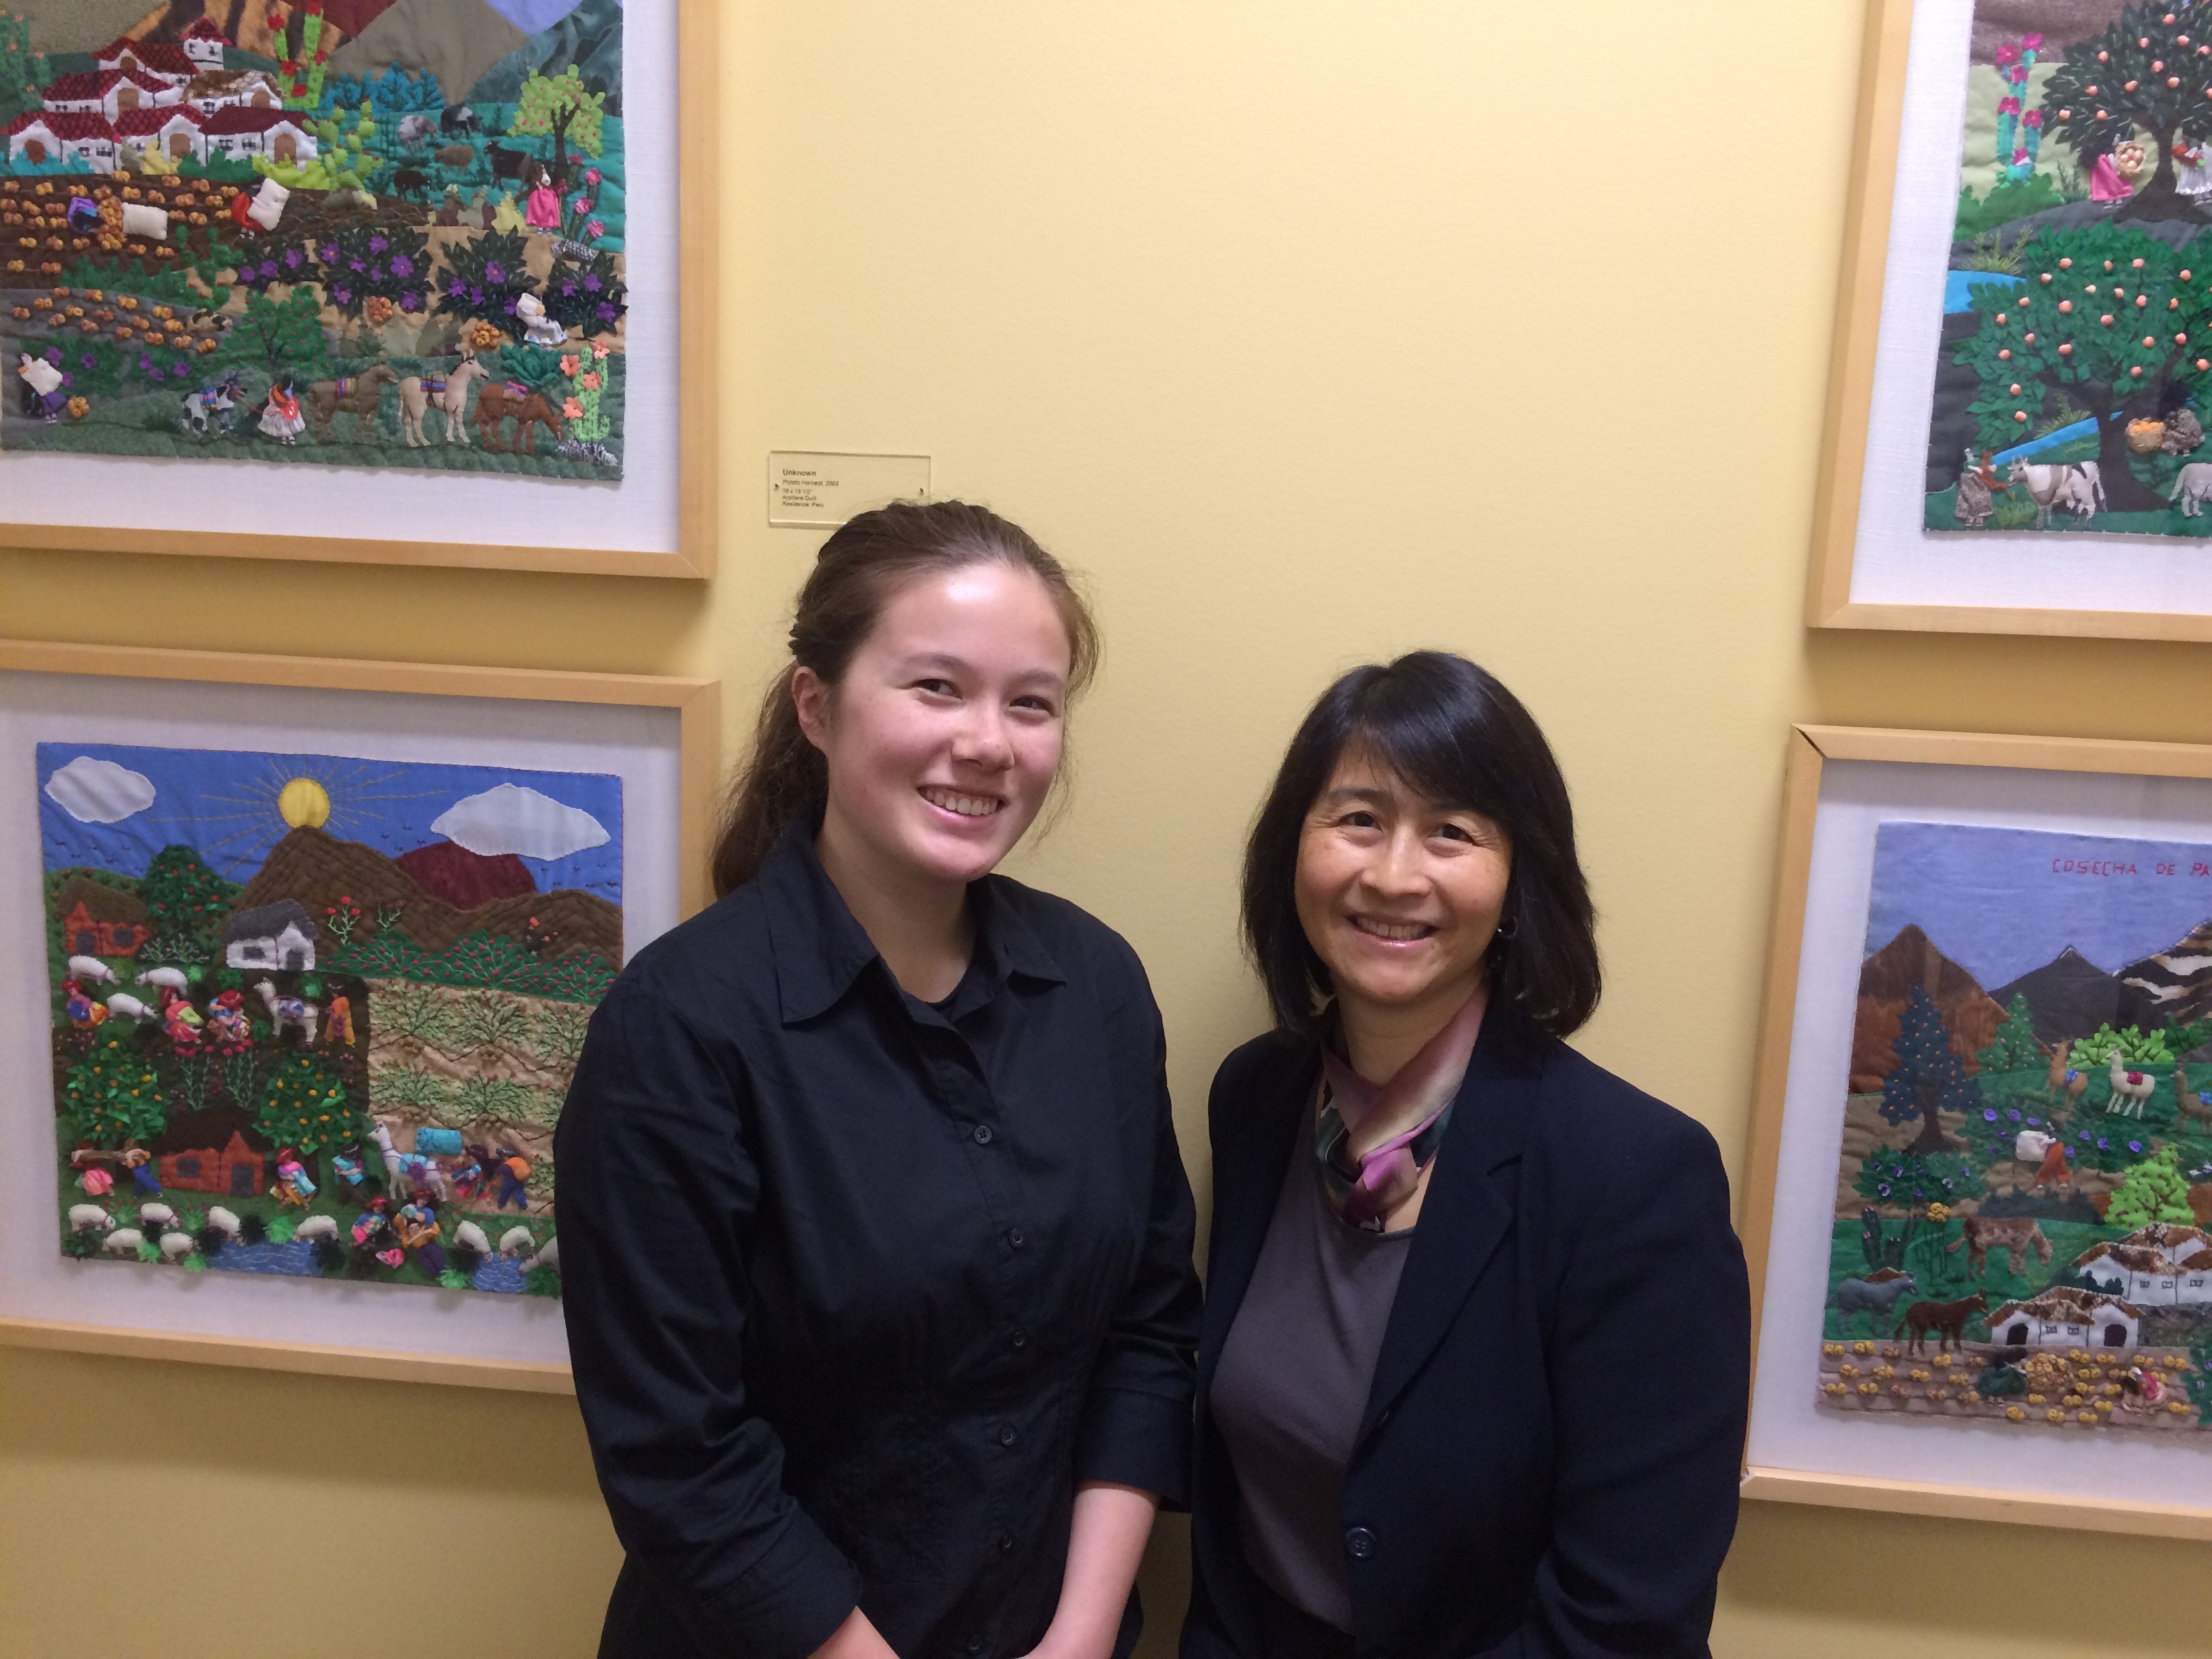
(450, 395)
(358, 395)
(500, 399)
(218, 402)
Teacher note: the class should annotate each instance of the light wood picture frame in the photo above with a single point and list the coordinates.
(1873, 565)
(661, 519)
(657, 735)
(1842, 786)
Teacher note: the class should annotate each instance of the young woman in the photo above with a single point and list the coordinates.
(875, 1237)
(1473, 1380)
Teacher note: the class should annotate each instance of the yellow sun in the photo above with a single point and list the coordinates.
(304, 803)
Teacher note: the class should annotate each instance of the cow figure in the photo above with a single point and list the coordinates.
(2079, 487)
(217, 405)
(2012, 1234)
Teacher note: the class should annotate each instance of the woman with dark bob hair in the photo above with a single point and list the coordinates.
(1474, 1362)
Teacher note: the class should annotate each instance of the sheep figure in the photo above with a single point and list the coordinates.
(123, 1241)
(548, 1257)
(468, 1233)
(156, 1218)
(315, 1227)
(516, 1239)
(122, 1006)
(222, 1221)
(93, 968)
(90, 1218)
(169, 979)
(175, 1247)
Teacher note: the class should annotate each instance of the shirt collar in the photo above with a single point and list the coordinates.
(821, 950)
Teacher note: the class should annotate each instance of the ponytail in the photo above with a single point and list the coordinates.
(785, 779)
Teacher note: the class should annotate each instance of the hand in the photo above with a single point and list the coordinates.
(856, 1638)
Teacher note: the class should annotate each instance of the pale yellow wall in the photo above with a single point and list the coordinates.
(1312, 331)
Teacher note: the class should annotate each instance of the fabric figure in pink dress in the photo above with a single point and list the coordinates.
(543, 209)
(2105, 184)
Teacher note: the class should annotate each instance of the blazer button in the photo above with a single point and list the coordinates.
(1360, 1543)
(982, 1135)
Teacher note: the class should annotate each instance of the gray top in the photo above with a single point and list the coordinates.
(1292, 1386)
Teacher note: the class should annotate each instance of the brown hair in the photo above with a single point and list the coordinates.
(861, 565)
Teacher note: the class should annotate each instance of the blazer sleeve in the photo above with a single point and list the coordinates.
(1136, 1425)
(1651, 1366)
(657, 1194)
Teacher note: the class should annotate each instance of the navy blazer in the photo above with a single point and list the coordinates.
(1547, 1466)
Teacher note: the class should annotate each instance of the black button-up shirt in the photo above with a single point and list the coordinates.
(859, 1287)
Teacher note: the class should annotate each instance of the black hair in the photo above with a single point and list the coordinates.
(1449, 730)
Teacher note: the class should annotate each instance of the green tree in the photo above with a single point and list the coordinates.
(2155, 1190)
(2109, 320)
(2014, 1047)
(182, 895)
(1929, 1077)
(22, 71)
(279, 336)
(559, 106)
(2144, 71)
(112, 1094)
(304, 1105)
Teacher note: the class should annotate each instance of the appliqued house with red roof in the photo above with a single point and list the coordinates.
(108, 93)
(38, 137)
(213, 89)
(175, 131)
(204, 43)
(241, 131)
(158, 58)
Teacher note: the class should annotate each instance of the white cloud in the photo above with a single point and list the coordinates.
(99, 791)
(510, 818)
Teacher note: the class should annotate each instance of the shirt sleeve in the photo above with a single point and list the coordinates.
(656, 1195)
(1645, 1502)
(1136, 1428)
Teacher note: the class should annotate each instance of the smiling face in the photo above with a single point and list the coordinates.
(1398, 896)
(945, 733)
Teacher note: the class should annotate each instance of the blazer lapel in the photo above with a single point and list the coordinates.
(1247, 1177)
(1467, 1211)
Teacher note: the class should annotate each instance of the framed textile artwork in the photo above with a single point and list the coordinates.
(1980, 1211)
(374, 280)
(2023, 361)
(301, 954)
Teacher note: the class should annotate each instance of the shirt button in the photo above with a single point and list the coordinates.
(974, 1644)
(982, 1135)
(1360, 1543)
(1021, 1337)
(1005, 1543)
(1015, 1238)
(1006, 1436)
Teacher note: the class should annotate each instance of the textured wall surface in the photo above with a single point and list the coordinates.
(1312, 333)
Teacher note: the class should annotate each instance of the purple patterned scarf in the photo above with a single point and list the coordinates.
(1366, 1187)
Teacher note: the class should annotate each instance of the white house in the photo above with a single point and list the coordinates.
(279, 935)
(2063, 1317)
(213, 89)
(157, 57)
(108, 93)
(204, 43)
(2136, 1272)
(174, 131)
(38, 137)
(241, 131)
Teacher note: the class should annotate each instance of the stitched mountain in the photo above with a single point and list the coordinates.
(447, 870)
(317, 869)
(2068, 997)
(2175, 984)
(1886, 982)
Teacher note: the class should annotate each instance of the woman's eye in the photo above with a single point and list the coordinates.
(1360, 821)
(935, 688)
(1035, 706)
(1456, 832)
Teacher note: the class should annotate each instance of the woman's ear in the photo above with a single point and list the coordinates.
(810, 700)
